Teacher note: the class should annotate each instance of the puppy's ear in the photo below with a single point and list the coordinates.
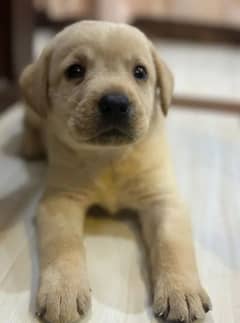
(34, 83)
(165, 81)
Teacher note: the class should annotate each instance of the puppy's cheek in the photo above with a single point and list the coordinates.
(142, 130)
(82, 126)
(138, 130)
(141, 122)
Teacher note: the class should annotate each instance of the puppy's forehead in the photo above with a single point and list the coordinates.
(113, 38)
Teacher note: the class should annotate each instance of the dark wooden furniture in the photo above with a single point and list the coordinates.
(189, 30)
(16, 46)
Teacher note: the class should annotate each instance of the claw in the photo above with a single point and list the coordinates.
(195, 318)
(206, 308)
(161, 314)
(40, 314)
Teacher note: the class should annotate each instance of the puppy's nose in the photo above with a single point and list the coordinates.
(115, 107)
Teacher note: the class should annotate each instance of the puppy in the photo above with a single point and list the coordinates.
(97, 99)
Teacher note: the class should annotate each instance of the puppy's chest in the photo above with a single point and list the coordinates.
(120, 185)
(108, 191)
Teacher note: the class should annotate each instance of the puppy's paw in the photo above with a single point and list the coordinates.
(63, 298)
(179, 301)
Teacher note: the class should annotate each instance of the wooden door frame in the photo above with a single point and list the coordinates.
(16, 26)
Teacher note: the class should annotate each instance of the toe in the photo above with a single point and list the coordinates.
(206, 302)
(178, 310)
(68, 308)
(195, 308)
(52, 313)
(41, 305)
(83, 303)
(161, 305)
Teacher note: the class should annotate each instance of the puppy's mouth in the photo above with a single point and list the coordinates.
(114, 132)
(113, 136)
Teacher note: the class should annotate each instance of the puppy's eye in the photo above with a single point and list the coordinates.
(140, 72)
(75, 71)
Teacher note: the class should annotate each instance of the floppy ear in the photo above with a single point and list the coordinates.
(165, 82)
(34, 83)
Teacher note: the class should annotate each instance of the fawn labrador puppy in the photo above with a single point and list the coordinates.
(97, 98)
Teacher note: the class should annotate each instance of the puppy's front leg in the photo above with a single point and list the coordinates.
(178, 295)
(64, 294)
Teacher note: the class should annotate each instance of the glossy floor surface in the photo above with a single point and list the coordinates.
(206, 154)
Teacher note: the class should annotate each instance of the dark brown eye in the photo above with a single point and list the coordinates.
(140, 72)
(75, 71)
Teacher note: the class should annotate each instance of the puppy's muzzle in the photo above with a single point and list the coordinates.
(115, 109)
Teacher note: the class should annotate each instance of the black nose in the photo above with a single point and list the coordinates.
(115, 107)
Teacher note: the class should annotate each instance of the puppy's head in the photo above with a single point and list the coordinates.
(99, 83)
